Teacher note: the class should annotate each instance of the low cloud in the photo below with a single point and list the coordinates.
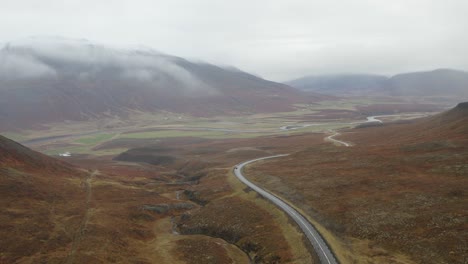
(17, 66)
(52, 56)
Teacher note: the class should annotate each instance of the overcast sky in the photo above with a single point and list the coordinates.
(276, 39)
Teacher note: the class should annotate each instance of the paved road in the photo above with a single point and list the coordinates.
(321, 248)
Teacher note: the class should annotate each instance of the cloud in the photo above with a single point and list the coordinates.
(276, 39)
(47, 56)
(16, 66)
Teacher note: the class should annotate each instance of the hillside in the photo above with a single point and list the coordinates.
(440, 82)
(451, 125)
(398, 195)
(45, 80)
(17, 156)
(42, 204)
(179, 210)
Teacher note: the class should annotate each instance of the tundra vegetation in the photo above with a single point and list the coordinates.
(173, 198)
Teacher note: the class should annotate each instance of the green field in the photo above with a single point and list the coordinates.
(201, 134)
(94, 139)
(84, 150)
(15, 136)
(170, 125)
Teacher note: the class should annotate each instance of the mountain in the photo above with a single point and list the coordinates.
(46, 80)
(345, 84)
(440, 82)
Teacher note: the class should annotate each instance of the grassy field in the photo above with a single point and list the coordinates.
(16, 136)
(95, 139)
(84, 150)
(172, 133)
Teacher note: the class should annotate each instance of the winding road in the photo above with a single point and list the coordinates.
(321, 248)
(331, 138)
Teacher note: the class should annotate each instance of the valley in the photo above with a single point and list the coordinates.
(91, 137)
(114, 155)
(181, 191)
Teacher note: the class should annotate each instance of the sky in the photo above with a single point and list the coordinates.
(276, 39)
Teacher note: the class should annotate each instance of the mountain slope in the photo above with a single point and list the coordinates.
(52, 79)
(398, 195)
(448, 126)
(17, 156)
(440, 82)
(42, 204)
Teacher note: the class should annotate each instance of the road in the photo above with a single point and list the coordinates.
(321, 248)
(337, 141)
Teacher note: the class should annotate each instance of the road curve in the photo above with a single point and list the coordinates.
(331, 138)
(321, 248)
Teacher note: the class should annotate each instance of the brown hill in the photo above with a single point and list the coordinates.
(446, 126)
(454, 120)
(451, 124)
(42, 204)
(398, 195)
(17, 156)
(124, 213)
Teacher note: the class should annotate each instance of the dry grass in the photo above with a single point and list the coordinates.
(386, 203)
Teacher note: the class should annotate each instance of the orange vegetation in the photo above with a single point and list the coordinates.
(402, 188)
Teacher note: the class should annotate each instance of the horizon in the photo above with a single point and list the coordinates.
(278, 41)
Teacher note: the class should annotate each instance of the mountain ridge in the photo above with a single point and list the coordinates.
(438, 82)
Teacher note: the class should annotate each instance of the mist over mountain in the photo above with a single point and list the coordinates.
(55, 79)
(55, 58)
(440, 82)
(341, 84)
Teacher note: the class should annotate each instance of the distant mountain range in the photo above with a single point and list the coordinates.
(56, 79)
(441, 82)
